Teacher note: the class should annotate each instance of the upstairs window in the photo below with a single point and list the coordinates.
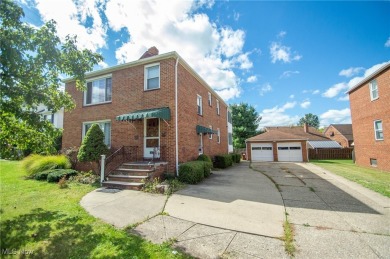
(209, 99)
(105, 126)
(211, 135)
(98, 91)
(199, 104)
(374, 90)
(230, 138)
(218, 107)
(229, 115)
(152, 77)
(219, 136)
(378, 130)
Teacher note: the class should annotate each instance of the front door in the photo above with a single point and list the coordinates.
(152, 138)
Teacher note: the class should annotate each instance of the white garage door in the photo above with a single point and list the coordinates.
(262, 152)
(290, 152)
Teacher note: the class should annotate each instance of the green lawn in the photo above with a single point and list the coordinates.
(375, 180)
(40, 217)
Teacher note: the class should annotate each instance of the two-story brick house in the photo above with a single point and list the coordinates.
(157, 104)
(342, 133)
(370, 112)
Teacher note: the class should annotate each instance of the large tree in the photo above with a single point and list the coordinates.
(245, 123)
(311, 120)
(32, 63)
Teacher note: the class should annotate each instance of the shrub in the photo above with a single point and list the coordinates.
(191, 172)
(41, 175)
(56, 174)
(34, 164)
(223, 161)
(236, 157)
(85, 177)
(205, 158)
(207, 168)
(92, 146)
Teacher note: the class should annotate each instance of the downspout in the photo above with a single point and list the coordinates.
(176, 126)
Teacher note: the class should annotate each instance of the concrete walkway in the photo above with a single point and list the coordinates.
(239, 213)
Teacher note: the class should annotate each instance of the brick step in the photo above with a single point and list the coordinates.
(123, 185)
(137, 166)
(132, 172)
(127, 178)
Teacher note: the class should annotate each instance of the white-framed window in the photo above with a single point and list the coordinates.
(230, 139)
(229, 117)
(378, 130)
(211, 135)
(219, 136)
(152, 77)
(104, 125)
(199, 104)
(218, 112)
(209, 99)
(48, 117)
(374, 90)
(98, 90)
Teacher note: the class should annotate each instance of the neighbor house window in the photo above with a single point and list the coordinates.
(374, 90)
(98, 91)
(378, 130)
(105, 126)
(211, 135)
(230, 136)
(209, 99)
(219, 136)
(49, 117)
(229, 115)
(199, 103)
(373, 162)
(218, 107)
(152, 77)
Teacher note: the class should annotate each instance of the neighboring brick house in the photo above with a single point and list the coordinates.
(342, 133)
(135, 105)
(286, 143)
(370, 113)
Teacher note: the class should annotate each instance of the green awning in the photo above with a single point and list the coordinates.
(205, 130)
(162, 113)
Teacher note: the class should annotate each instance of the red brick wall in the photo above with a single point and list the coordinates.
(338, 137)
(128, 95)
(364, 112)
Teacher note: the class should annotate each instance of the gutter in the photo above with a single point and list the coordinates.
(176, 120)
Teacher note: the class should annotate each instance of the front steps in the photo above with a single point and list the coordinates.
(130, 176)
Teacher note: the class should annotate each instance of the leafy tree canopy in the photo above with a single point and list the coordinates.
(32, 61)
(310, 119)
(245, 123)
(93, 145)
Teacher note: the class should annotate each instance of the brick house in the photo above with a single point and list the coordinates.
(286, 143)
(158, 105)
(370, 113)
(342, 133)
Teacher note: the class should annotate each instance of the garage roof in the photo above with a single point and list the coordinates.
(324, 144)
(288, 133)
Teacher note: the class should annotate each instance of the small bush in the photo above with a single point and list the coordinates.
(85, 177)
(204, 157)
(223, 161)
(41, 175)
(56, 174)
(34, 164)
(191, 172)
(236, 157)
(151, 185)
(207, 168)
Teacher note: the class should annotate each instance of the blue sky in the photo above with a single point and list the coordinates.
(284, 58)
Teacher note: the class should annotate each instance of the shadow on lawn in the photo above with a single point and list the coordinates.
(62, 236)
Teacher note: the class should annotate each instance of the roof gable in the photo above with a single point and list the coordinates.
(289, 133)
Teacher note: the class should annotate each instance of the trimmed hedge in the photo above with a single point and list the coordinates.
(192, 172)
(204, 157)
(56, 174)
(236, 157)
(223, 161)
(207, 168)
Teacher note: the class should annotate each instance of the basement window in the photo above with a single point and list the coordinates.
(373, 162)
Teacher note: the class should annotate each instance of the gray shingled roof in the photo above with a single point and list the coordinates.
(324, 144)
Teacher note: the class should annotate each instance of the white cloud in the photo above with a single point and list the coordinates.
(387, 43)
(316, 91)
(276, 116)
(305, 104)
(354, 81)
(335, 117)
(335, 90)
(288, 74)
(213, 51)
(102, 64)
(350, 71)
(251, 79)
(236, 16)
(281, 34)
(81, 19)
(344, 98)
(282, 53)
(292, 96)
(265, 88)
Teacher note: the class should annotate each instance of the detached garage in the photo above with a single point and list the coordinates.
(284, 144)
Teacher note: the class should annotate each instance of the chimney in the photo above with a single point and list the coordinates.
(306, 127)
(153, 51)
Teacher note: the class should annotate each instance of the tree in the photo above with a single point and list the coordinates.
(245, 123)
(310, 119)
(32, 61)
(92, 146)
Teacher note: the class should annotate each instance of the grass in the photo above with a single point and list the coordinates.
(288, 238)
(41, 218)
(376, 180)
